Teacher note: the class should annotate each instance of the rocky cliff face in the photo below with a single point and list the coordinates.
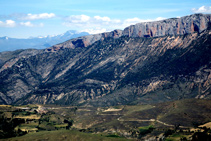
(175, 26)
(110, 69)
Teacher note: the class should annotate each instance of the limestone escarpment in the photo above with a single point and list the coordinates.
(174, 26)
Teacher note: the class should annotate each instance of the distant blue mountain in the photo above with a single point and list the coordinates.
(11, 44)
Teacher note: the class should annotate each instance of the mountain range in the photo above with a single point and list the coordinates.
(145, 63)
(11, 44)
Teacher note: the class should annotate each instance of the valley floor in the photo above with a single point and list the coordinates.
(62, 135)
(178, 120)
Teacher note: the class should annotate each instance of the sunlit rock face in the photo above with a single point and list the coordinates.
(174, 26)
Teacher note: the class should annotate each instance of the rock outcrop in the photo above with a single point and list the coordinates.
(174, 26)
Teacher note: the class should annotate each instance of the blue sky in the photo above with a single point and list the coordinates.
(26, 18)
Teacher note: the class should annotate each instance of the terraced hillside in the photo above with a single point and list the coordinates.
(165, 120)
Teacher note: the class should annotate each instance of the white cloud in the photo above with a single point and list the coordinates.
(94, 30)
(159, 19)
(105, 19)
(84, 20)
(133, 21)
(98, 24)
(77, 19)
(37, 16)
(202, 9)
(29, 24)
(11, 23)
(136, 20)
(8, 23)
